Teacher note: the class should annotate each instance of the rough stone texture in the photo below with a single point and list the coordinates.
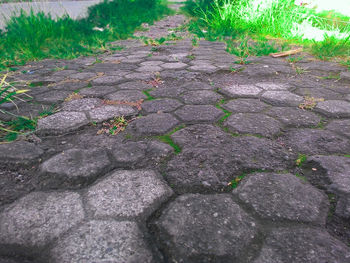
(97, 91)
(81, 104)
(334, 108)
(138, 85)
(319, 93)
(74, 168)
(111, 111)
(205, 68)
(199, 113)
(53, 96)
(302, 245)
(196, 85)
(313, 141)
(200, 97)
(154, 124)
(127, 194)
(36, 219)
(108, 80)
(83, 75)
(160, 105)
(206, 228)
(335, 176)
(19, 152)
(293, 117)
(242, 91)
(286, 197)
(126, 95)
(272, 86)
(103, 241)
(340, 126)
(62, 122)
(245, 105)
(176, 65)
(281, 98)
(253, 123)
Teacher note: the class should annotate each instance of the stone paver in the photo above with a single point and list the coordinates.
(281, 98)
(197, 228)
(74, 168)
(340, 126)
(294, 117)
(200, 97)
(242, 91)
(245, 105)
(160, 105)
(199, 113)
(127, 194)
(126, 95)
(20, 152)
(334, 108)
(107, 112)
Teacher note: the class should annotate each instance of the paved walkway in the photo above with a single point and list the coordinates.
(165, 188)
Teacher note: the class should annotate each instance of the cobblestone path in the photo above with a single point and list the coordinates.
(162, 189)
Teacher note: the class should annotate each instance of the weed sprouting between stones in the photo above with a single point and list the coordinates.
(149, 96)
(302, 158)
(167, 139)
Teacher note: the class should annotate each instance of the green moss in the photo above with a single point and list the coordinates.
(167, 139)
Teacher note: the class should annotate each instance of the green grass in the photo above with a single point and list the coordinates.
(302, 158)
(149, 96)
(167, 139)
(32, 36)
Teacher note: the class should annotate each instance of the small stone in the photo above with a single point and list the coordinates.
(199, 113)
(283, 197)
(334, 108)
(62, 122)
(19, 152)
(127, 194)
(243, 91)
(281, 98)
(74, 168)
(102, 241)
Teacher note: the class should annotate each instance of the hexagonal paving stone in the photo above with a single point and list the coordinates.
(272, 86)
(319, 93)
(206, 228)
(281, 98)
(19, 152)
(37, 218)
(103, 241)
(81, 104)
(200, 97)
(340, 126)
(149, 69)
(294, 117)
(111, 111)
(83, 75)
(283, 197)
(302, 245)
(241, 91)
(152, 63)
(175, 65)
(62, 122)
(253, 123)
(97, 91)
(333, 173)
(52, 96)
(127, 95)
(74, 168)
(154, 124)
(139, 75)
(107, 80)
(314, 141)
(131, 85)
(334, 108)
(196, 85)
(245, 105)
(205, 68)
(161, 105)
(127, 194)
(199, 113)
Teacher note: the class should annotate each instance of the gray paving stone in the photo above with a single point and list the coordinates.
(279, 197)
(97, 91)
(347, 97)
(205, 68)
(62, 122)
(294, 117)
(253, 123)
(139, 76)
(83, 75)
(103, 241)
(167, 92)
(127, 194)
(272, 86)
(160, 105)
(241, 91)
(132, 85)
(36, 219)
(334, 108)
(174, 65)
(127, 95)
(196, 85)
(315, 141)
(319, 93)
(69, 86)
(340, 126)
(245, 105)
(345, 75)
(201, 97)
(52, 96)
(74, 168)
(82, 104)
(281, 98)
(206, 228)
(199, 113)
(302, 245)
(152, 63)
(154, 124)
(149, 69)
(19, 152)
(333, 173)
(107, 112)
(108, 80)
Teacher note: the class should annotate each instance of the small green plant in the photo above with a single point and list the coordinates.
(235, 182)
(332, 76)
(191, 57)
(301, 177)
(301, 159)
(300, 70)
(114, 126)
(293, 60)
(149, 96)
(309, 103)
(331, 47)
(194, 42)
(167, 139)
